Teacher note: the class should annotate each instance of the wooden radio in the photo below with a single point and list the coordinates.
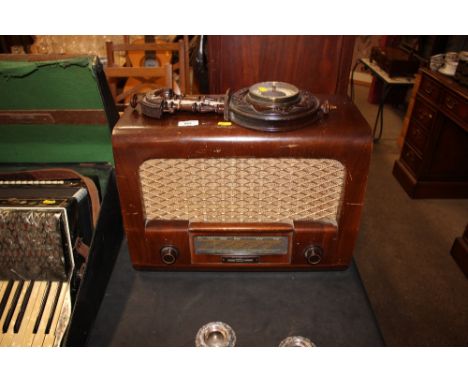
(280, 186)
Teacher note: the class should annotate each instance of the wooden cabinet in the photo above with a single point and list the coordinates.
(320, 64)
(459, 251)
(434, 157)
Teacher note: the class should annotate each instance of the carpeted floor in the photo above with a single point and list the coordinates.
(417, 291)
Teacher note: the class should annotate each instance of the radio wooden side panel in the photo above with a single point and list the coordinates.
(343, 138)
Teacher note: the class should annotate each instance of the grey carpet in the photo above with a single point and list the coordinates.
(417, 291)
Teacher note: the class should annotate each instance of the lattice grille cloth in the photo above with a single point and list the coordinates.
(31, 245)
(242, 189)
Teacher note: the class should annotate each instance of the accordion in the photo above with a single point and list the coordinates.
(47, 223)
(60, 223)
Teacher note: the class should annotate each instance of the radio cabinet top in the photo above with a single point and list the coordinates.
(205, 135)
(266, 106)
(147, 148)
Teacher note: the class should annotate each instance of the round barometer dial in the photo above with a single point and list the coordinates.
(273, 92)
(272, 106)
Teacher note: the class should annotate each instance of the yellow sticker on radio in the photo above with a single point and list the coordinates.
(223, 123)
(48, 202)
(262, 89)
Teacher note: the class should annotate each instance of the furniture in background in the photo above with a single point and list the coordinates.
(10, 44)
(409, 110)
(143, 78)
(320, 64)
(459, 251)
(180, 66)
(395, 61)
(388, 84)
(434, 158)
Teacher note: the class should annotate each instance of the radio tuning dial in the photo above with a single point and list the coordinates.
(169, 255)
(313, 254)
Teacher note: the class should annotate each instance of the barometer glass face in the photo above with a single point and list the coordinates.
(273, 92)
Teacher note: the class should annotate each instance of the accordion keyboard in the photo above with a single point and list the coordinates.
(33, 313)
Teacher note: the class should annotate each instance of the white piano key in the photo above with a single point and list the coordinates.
(23, 307)
(39, 336)
(6, 338)
(64, 320)
(61, 312)
(7, 307)
(24, 336)
(39, 290)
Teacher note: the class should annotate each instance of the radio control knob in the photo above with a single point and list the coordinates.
(313, 254)
(169, 255)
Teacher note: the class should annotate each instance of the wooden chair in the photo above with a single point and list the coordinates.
(181, 67)
(146, 77)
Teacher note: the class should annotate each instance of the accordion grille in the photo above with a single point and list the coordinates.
(31, 245)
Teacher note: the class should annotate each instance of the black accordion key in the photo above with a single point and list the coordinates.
(24, 305)
(5, 297)
(41, 310)
(14, 302)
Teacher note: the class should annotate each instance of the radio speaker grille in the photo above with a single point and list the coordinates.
(238, 190)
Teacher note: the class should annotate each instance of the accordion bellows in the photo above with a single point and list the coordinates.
(240, 190)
